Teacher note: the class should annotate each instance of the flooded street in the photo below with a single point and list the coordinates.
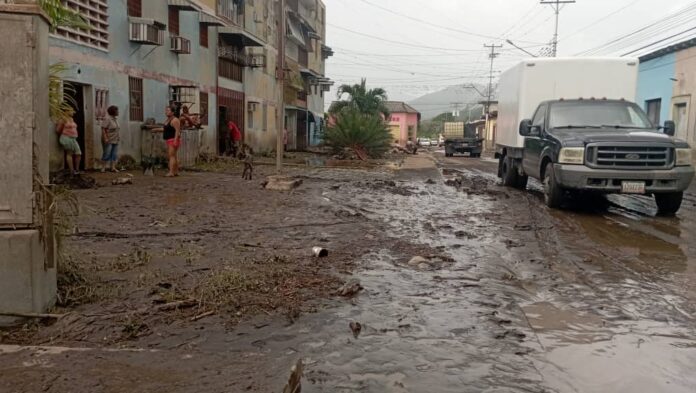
(468, 287)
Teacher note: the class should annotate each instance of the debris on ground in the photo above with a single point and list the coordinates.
(350, 289)
(120, 181)
(294, 384)
(281, 183)
(356, 328)
(320, 252)
(430, 181)
(73, 182)
(465, 234)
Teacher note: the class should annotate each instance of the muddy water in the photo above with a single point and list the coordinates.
(595, 299)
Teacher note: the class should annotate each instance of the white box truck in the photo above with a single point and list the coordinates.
(572, 124)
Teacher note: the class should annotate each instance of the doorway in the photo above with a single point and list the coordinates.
(223, 132)
(681, 119)
(302, 137)
(77, 102)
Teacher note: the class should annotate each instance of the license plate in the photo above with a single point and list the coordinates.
(633, 187)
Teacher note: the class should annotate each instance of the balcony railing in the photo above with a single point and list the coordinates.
(233, 54)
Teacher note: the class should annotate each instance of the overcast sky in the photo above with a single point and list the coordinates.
(422, 46)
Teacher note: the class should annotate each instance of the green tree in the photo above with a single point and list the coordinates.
(366, 135)
(60, 15)
(365, 101)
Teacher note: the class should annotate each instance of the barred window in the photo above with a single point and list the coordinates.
(95, 12)
(101, 103)
(135, 88)
(204, 109)
(135, 8)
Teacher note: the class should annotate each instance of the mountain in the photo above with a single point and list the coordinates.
(433, 104)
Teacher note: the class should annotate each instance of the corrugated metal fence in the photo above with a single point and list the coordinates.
(155, 147)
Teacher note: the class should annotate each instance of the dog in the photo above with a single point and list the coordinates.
(248, 153)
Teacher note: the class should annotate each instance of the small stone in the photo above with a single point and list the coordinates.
(416, 261)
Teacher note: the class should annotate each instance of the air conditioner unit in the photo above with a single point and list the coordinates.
(252, 106)
(257, 60)
(180, 45)
(146, 33)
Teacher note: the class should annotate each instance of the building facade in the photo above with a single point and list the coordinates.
(403, 122)
(666, 87)
(216, 57)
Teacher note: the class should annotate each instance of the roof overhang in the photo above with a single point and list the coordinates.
(147, 21)
(313, 74)
(239, 36)
(210, 20)
(183, 5)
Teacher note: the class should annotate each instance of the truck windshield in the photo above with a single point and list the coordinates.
(596, 114)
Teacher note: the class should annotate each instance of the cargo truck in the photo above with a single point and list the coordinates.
(571, 123)
(462, 138)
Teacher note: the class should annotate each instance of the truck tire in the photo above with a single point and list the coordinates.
(553, 193)
(508, 172)
(668, 204)
(522, 182)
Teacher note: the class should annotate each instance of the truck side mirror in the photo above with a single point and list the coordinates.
(526, 127)
(670, 128)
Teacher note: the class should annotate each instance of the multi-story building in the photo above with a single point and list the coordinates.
(216, 57)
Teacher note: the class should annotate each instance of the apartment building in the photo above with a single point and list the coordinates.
(216, 57)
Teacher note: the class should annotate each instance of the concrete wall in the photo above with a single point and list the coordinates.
(685, 88)
(654, 83)
(158, 66)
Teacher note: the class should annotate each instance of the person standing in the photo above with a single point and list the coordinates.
(171, 133)
(110, 139)
(235, 137)
(68, 132)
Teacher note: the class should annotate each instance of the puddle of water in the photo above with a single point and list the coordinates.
(627, 363)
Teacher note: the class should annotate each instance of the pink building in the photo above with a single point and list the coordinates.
(403, 122)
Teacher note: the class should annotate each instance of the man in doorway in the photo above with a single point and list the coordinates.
(235, 138)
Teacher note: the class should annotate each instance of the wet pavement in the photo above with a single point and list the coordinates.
(508, 296)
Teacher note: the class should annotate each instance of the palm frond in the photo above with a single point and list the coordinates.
(62, 16)
(60, 94)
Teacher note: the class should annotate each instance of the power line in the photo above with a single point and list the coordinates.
(600, 20)
(556, 5)
(658, 42)
(433, 24)
(645, 30)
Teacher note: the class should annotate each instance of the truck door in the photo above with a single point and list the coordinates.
(533, 145)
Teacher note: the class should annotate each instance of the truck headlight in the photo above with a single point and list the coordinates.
(572, 155)
(684, 157)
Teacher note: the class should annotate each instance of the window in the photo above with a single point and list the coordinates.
(101, 103)
(250, 115)
(174, 21)
(135, 8)
(135, 89)
(680, 115)
(187, 95)
(540, 117)
(232, 10)
(95, 12)
(653, 107)
(204, 35)
(204, 109)
(230, 70)
(264, 121)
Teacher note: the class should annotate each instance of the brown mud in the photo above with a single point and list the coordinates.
(466, 287)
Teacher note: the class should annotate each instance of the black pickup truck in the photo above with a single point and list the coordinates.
(603, 146)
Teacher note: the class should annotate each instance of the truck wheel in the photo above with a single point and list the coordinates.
(668, 204)
(521, 182)
(553, 193)
(509, 172)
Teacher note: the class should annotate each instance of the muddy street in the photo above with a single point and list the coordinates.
(467, 287)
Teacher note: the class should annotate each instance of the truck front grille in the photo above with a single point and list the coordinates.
(629, 156)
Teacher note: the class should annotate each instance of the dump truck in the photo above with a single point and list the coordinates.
(462, 138)
(572, 124)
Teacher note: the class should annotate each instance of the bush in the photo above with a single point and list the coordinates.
(366, 135)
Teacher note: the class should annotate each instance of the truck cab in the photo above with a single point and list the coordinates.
(602, 146)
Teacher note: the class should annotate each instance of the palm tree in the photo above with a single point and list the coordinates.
(365, 101)
(60, 15)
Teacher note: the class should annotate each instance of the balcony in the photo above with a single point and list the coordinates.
(233, 54)
(232, 11)
(180, 45)
(146, 31)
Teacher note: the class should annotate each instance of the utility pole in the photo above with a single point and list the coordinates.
(492, 56)
(280, 121)
(556, 5)
(455, 108)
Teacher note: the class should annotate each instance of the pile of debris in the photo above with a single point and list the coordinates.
(73, 182)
